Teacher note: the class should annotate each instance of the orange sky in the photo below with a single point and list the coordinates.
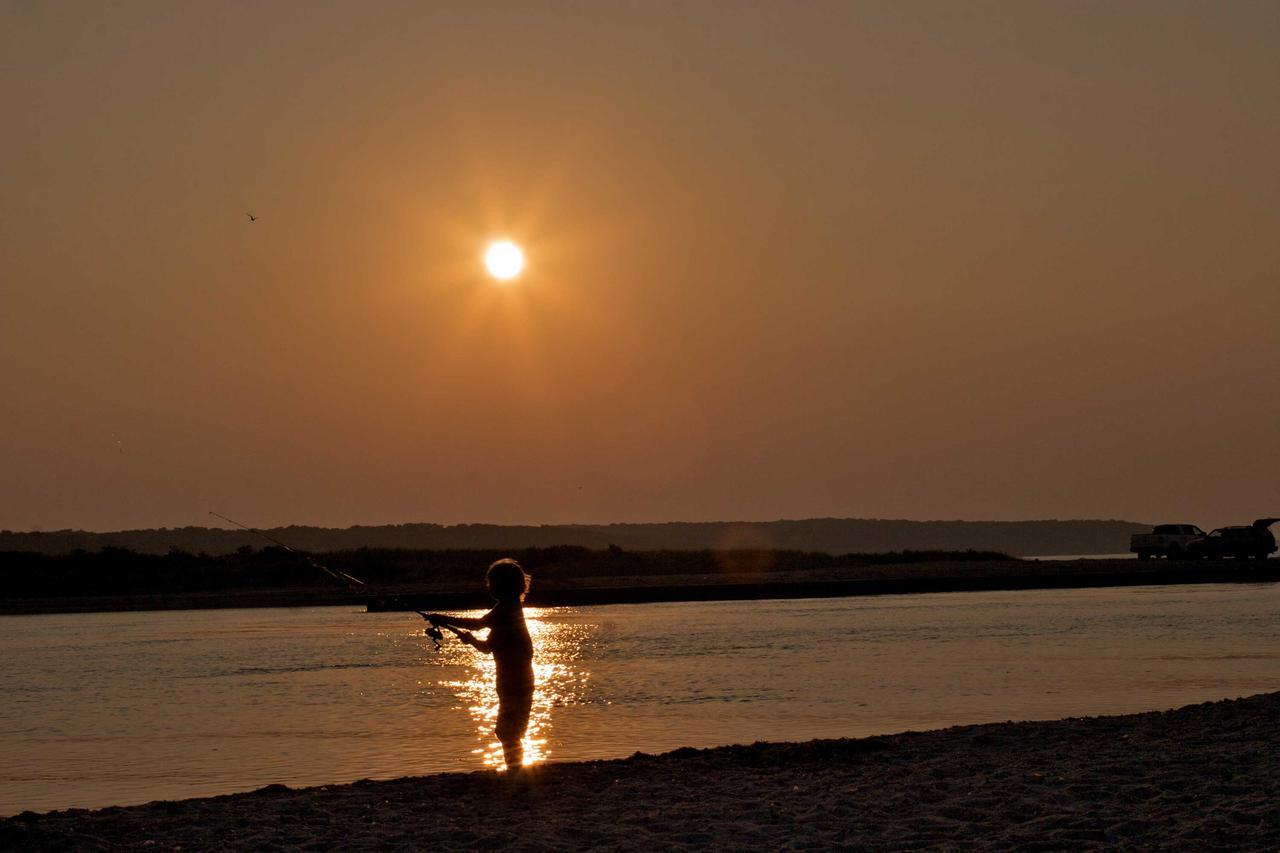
(921, 260)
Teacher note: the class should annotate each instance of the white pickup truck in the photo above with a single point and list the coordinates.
(1165, 540)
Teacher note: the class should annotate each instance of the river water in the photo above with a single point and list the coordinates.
(122, 708)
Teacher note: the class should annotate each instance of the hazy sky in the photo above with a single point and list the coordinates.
(921, 260)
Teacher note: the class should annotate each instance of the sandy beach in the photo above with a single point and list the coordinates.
(1201, 777)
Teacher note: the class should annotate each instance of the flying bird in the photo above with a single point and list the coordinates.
(252, 218)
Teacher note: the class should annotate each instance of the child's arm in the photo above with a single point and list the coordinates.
(458, 621)
(470, 639)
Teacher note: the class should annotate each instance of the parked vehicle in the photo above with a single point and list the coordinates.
(1164, 540)
(1254, 540)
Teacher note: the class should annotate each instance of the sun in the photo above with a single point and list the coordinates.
(504, 260)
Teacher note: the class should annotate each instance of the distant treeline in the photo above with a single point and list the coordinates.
(829, 535)
(121, 572)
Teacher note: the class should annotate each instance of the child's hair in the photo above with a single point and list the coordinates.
(507, 580)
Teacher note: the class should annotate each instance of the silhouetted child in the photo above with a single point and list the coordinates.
(512, 649)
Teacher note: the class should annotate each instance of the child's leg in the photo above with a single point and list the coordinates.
(513, 721)
(513, 752)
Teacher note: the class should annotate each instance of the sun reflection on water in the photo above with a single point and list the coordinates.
(559, 680)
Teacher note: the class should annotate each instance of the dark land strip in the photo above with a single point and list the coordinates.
(566, 576)
(1016, 575)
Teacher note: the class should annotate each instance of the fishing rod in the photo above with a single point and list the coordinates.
(342, 577)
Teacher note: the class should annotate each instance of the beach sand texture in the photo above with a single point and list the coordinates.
(1202, 777)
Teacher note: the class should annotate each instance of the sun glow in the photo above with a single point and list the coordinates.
(504, 260)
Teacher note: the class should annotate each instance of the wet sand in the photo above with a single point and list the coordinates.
(1201, 777)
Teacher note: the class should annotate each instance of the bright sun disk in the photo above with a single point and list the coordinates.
(504, 260)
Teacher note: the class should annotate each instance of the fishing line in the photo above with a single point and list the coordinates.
(351, 581)
(342, 577)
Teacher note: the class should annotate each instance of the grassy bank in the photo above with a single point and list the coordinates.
(112, 579)
(119, 579)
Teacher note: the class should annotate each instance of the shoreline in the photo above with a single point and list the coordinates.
(898, 579)
(1082, 574)
(1204, 776)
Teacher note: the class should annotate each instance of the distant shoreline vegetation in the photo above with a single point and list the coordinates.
(123, 572)
(829, 535)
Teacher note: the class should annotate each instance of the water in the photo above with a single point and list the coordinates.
(122, 708)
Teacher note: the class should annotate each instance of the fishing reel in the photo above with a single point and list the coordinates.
(433, 630)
